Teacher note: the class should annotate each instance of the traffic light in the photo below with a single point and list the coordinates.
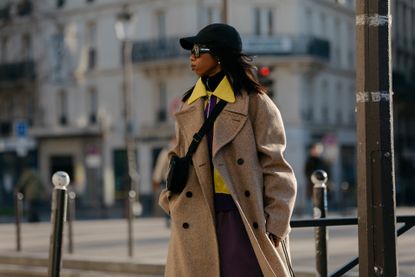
(265, 79)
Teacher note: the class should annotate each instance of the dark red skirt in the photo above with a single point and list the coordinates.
(237, 257)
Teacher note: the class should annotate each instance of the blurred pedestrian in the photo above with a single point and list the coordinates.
(34, 193)
(314, 162)
(160, 173)
(232, 218)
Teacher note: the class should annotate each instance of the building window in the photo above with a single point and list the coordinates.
(91, 42)
(62, 108)
(60, 3)
(4, 49)
(161, 24)
(340, 103)
(213, 15)
(270, 21)
(351, 39)
(162, 102)
(92, 101)
(324, 102)
(352, 105)
(323, 25)
(309, 28)
(58, 48)
(26, 46)
(24, 7)
(310, 116)
(338, 40)
(263, 21)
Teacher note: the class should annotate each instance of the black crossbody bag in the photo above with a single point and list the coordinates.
(179, 167)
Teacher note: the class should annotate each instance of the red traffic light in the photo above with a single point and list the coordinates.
(264, 71)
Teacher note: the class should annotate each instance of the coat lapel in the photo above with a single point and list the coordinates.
(189, 120)
(229, 123)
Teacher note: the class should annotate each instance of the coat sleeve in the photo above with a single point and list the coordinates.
(165, 194)
(279, 181)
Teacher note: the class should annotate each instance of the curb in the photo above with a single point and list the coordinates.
(37, 264)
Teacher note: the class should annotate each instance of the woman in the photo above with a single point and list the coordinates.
(232, 218)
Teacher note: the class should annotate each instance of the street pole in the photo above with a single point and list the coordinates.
(58, 216)
(18, 202)
(319, 179)
(376, 187)
(127, 98)
(124, 28)
(70, 219)
(129, 143)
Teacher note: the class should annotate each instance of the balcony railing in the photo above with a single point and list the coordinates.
(287, 45)
(157, 49)
(279, 45)
(17, 71)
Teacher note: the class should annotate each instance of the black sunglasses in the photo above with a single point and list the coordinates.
(198, 50)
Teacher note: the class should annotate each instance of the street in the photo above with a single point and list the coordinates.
(107, 240)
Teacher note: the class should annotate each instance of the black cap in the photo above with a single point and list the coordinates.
(216, 35)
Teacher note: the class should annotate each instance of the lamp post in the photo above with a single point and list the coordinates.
(124, 32)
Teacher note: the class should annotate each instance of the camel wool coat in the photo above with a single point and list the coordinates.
(247, 150)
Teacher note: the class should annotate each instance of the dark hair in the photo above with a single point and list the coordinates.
(239, 69)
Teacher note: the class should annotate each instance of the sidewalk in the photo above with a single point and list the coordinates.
(105, 241)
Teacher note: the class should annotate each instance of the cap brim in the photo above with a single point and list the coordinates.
(188, 42)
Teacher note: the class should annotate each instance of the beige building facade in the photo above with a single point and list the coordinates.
(78, 115)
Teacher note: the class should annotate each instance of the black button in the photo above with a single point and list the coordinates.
(189, 194)
(255, 225)
(169, 197)
(185, 225)
(240, 161)
(247, 193)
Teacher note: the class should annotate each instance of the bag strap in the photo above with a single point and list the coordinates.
(207, 125)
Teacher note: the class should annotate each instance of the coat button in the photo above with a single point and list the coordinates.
(255, 225)
(247, 193)
(240, 161)
(169, 197)
(185, 225)
(189, 194)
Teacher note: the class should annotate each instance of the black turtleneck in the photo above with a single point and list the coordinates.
(212, 82)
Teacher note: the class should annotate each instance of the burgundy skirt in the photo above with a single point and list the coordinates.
(237, 257)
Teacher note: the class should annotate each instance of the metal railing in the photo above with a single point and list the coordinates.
(409, 222)
(319, 178)
(319, 222)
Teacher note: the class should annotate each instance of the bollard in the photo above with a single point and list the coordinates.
(18, 204)
(71, 217)
(130, 218)
(319, 179)
(60, 181)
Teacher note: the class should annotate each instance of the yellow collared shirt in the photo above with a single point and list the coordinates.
(225, 92)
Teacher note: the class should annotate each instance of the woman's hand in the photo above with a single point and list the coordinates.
(274, 239)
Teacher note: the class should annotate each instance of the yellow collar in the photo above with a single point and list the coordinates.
(223, 91)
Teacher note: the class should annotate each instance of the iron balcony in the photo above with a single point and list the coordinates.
(17, 71)
(278, 45)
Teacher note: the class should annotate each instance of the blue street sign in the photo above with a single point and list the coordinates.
(21, 128)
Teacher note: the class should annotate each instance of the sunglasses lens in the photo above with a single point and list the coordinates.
(196, 51)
